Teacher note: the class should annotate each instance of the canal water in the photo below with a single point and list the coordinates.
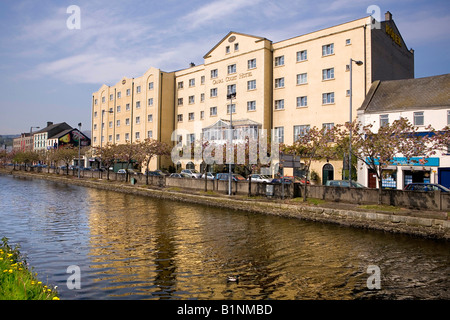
(134, 247)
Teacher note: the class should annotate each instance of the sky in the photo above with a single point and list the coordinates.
(50, 65)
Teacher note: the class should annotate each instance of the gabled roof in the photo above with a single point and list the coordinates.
(63, 133)
(227, 36)
(224, 123)
(408, 94)
(62, 125)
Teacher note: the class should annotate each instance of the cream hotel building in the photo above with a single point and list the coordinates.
(286, 86)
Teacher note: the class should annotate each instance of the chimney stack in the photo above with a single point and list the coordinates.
(388, 16)
(49, 123)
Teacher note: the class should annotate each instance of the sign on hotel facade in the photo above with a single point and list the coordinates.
(283, 86)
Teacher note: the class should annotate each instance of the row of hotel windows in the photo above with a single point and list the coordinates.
(299, 130)
(251, 64)
(302, 55)
(137, 136)
(231, 69)
(279, 61)
(327, 49)
(128, 93)
(327, 74)
(327, 98)
(127, 122)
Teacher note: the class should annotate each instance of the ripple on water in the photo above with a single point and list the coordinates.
(131, 247)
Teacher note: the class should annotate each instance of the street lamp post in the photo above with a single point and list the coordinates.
(31, 136)
(101, 136)
(359, 63)
(230, 96)
(79, 150)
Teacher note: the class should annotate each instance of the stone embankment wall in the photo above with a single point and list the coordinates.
(428, 227)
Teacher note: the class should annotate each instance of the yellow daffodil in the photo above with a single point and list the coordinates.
(55, 298)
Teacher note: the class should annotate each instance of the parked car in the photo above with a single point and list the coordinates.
(284, 180)
(179, 175)
(426, 187)
(343, 183)
(209, 176)
(192, 173)
(158, 173)
(259, 178)
(298, 179)
(225, 177)
(130, 171)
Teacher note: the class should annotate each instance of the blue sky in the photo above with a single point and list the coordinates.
(48, 72)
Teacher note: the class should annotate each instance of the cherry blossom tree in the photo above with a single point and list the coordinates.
(314, 144)
(148, 149)
(378, 149)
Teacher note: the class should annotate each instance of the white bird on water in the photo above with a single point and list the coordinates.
(233, 278)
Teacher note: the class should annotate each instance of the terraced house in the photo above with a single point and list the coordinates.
(286, 86)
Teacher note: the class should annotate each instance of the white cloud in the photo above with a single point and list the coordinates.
(215, 12)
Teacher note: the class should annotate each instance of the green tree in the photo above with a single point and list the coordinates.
(314, 144)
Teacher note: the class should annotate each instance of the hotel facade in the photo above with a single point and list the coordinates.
(287, 87)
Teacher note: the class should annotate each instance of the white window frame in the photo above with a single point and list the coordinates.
(419, 115)
(302, 55)
(302, 102)
(231, 69)
(279, 61)
(301, 130)
(251, 64)
(251, 105)
(233, 108)
(328, 74)
(251, 85)
(279, 133)
(279, 83)
(328, 49)
(302, 78)
(328, 98)
(384, 120)
(279, 104)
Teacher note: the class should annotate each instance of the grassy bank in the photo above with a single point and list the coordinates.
(17, 281)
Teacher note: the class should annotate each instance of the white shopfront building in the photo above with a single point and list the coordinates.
(424, 102)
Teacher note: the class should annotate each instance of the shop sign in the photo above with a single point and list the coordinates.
(414, 161)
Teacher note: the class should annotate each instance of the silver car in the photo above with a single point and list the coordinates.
(192, 173)
(259, 178)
